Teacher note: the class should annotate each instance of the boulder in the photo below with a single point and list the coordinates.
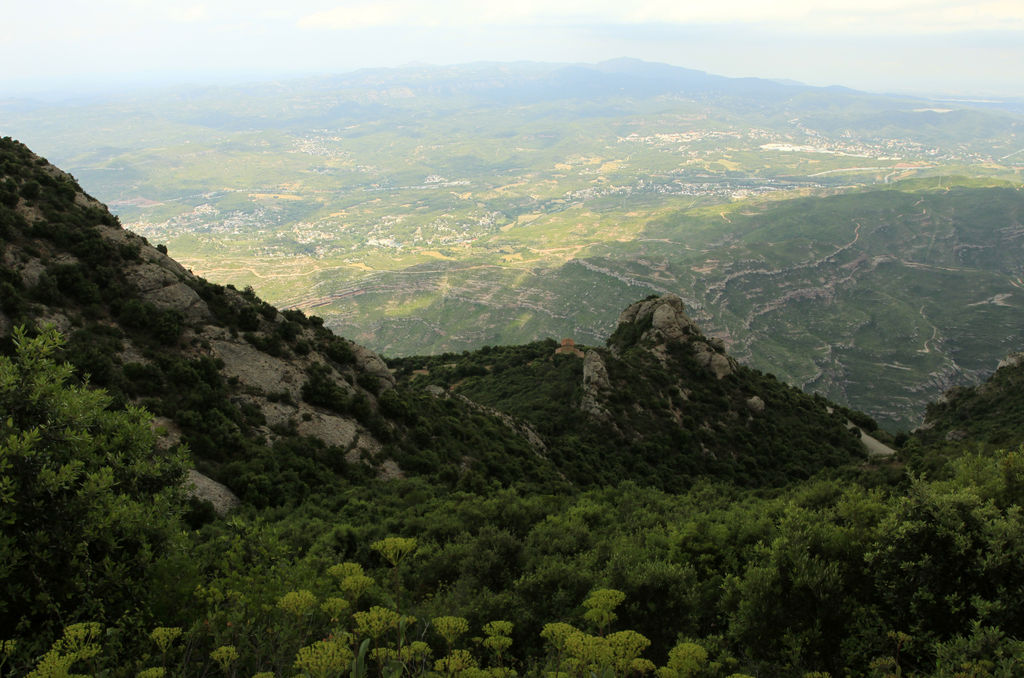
(371, 363)
(717, 363)
(668, 319)
(207, 489)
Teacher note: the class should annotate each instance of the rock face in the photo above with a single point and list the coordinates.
(266, 358)
(166, 291)
(668, 319)
(207, 489)
(1012, 360)
(596, 385)
(653, 323)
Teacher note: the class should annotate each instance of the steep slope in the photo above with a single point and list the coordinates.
(273, 404)
(988, 415)
(661, 404)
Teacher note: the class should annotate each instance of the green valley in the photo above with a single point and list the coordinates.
(862, 246)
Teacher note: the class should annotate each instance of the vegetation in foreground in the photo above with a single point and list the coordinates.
(868, 572)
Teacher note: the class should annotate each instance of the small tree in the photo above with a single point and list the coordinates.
(86, 503)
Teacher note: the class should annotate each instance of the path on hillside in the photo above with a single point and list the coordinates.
(875, 447)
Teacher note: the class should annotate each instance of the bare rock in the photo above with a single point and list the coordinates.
(1012, 360)
(717, 363)
(596, 385)
(364, 450)
(669, 320)
(667, 314)
(956, 435)
(168, 433)
(435, 391)
(371, 363)
(31, 271)
(58, 320)
(390, 470)
(165, 290)
(755, 404)
(83, 200)
(255, 368)
(207, 489)
(333, 430)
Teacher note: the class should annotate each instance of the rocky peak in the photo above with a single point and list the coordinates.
(657, 321)
(596, 385)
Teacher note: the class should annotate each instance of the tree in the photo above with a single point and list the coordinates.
(87, 504)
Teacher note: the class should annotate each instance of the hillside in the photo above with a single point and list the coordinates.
(989, 413)
(662, 403)
(260, 395)
(458, 539)
(272, 404)
(878, 299)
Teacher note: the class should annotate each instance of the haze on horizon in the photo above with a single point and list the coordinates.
(965, 47)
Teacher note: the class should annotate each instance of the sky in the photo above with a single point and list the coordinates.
(71, 47)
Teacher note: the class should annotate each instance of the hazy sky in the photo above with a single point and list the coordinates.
(940, 46)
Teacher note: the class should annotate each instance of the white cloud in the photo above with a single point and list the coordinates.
(189, 14)
(843, 16)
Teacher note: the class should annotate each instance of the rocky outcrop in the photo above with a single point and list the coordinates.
(717, 363)
(255, 368)
(1012, 360)
(654, 323)
(667, 318)
(207, 489)
(371, 363)
(166, 291)
(596, 385)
